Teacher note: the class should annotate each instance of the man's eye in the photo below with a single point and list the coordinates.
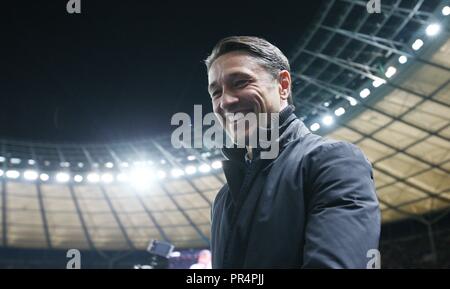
(241, 83)
(215, 93)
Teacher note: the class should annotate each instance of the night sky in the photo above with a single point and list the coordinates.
(120, 69)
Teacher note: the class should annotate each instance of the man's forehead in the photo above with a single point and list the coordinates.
(230, 63)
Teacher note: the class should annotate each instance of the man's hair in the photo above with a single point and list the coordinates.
(267, 54)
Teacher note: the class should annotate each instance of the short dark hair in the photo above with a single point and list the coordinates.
(268, 55)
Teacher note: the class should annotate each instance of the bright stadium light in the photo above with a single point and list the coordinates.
(391, 71)
(161, 174)
(109, 165)
(315, 127)
(15, 161)
(191, 158)
(107, 178)
(364, 93)
(64, 164)
(78, 178)
(402, 59)
(1, 173)
(327, 120)
(340, 111)
(433, 29)
(44, 177)
(216, 165)
(417, 44)
(12, 174)
(378, 82)
(446, 11)
(93, 178)
(204, 168)
(122, 177)
(190, 170)
(141, 178)
(124, 165)
(30, 175)
(31, 162)
(2, 159)
(352, 101)
(62, 177)
(177, 173)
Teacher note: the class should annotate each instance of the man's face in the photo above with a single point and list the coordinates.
(239, 84)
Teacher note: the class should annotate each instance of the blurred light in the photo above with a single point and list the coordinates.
(46, 163)
(216, 165)
(191, 158)
(95, 165)
(433, 29)
(161, 174)
(175, 254)
(30, 175)
(15, 161)
(2, 159)
(44, 177)
(327, 120)
(352, 101)
(417, 44)
(315, 127)
(177, 173)
(124, 165)
(64, 164)
(391, 71)
(204, 168)
(12, 174)
(163, 162)
(340, 111)
(190, 170)
(78, 178)
(378, 82)
(121, 177)
(93, 178)
(403, 59)
(326, 104)
(80, 165)
(62, 177)
(31, 162)
(364, 93)
(107, 178)
(109, 165)
(446, 11)
(141, 178)
(1, 173)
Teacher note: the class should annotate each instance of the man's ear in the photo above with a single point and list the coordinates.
(284, 84)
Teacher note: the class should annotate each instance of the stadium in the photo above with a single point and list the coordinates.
(378, 80)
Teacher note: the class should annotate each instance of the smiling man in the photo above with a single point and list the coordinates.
(312, 206)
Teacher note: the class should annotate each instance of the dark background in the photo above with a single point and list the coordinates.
(121, 69)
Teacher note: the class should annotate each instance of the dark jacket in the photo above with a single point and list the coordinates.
(314, 206)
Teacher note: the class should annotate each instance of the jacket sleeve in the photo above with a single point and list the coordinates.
(343, 216)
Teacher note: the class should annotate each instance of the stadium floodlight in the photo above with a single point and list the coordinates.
(15, 161)
(93, 178)
(12, 174)
(216, 165)
(122, 177)
(391, 71)
(44, 177)
(417, 44)
(124, 165)
(191, 158)
(2, 159)
(64, 164)
(446, 11)
(30, 175)
(109, 165)
(352, 101)
(141, 178)
(62, 177)
(315, 127)
(326, 104)
(327, 120)
(364, 93)
(190, 170)
(31, 162)
(204, 168)
(177, 173)
(80, 165)
(402, 59)
(378, 82)
(107, 178)
(161, 174)
(1, 173)
(433, 29)
(78, 178)
(340, 111)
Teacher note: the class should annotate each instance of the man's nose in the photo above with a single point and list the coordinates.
(228, 100)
